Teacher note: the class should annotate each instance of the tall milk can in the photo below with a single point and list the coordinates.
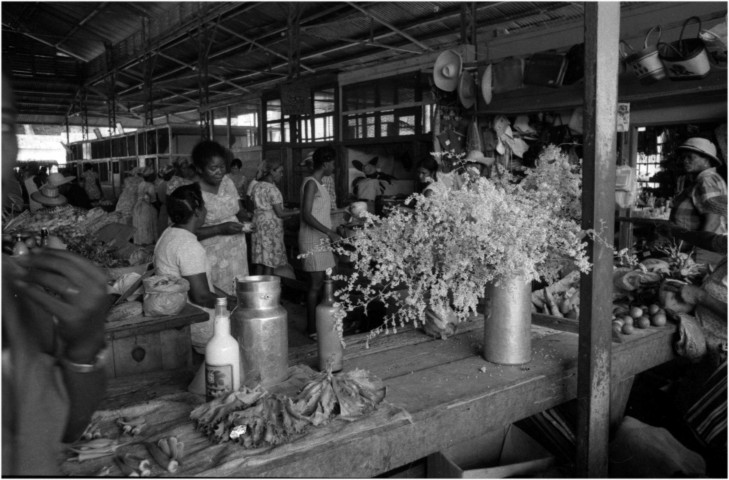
(259, 323)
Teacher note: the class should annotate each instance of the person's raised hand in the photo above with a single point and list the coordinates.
(73, 290)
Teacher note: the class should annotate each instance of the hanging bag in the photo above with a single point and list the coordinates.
(686, 58)
(645, 63)
(715, 40)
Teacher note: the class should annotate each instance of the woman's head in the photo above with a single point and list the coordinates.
(428, 170)
(236, 165)
(697, 154)
(211, 161)
(272, 169)
(148, 174)
(324, 158)
(185, 203)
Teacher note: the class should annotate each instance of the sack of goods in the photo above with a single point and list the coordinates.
(164, 295)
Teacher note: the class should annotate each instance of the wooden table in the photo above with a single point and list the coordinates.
(158, 343)
(451, 395)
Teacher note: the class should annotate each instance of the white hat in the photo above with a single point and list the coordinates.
(48, 196)
(466, 90)
(56, 179)
(486, 84)
(702, 146)
(447, 70)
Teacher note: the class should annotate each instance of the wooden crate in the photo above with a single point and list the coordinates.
(161, 343)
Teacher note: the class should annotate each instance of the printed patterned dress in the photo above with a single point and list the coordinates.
(312, 241)
(267, 242)
(226, 253)
(144, 215)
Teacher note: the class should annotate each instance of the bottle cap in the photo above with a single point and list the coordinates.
(221, 301)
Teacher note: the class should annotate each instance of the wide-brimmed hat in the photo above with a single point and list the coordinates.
(133, 171)
(57, 179)
(447, 70)
(48, 196)
(147, 171)
(466, 90)
(701, 145)
(487, 84)
(360, 166)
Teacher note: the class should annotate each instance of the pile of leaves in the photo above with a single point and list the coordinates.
(94, 250)
(255, 418)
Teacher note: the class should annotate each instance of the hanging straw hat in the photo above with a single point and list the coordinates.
(466, 90)
(360, 166)
(308, 160)
(56, 179)
(486, 84)
(48, 196)
(447, 70)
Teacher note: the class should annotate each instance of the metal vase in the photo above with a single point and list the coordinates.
(507, 338)
(260, 324)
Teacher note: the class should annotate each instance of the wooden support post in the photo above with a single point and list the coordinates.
(602, 32)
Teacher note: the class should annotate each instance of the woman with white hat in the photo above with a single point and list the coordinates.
(703, 185)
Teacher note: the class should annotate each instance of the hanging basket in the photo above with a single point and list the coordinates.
(645, 64)
(685, 59)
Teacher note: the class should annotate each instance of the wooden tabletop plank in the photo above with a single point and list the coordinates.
(449, 391)
(140, 324)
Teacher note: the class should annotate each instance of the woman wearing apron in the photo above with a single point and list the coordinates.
(315, 231)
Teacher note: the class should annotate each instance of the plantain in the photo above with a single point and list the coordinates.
(164, 461)
(164, 446)
(126, 470)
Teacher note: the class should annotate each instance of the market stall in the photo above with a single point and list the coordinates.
(440, 394)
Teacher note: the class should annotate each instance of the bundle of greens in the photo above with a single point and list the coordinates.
(254, 418)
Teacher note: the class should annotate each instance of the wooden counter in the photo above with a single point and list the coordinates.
(447, 391)
(144, 344)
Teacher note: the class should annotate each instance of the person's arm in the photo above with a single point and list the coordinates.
(74, 292)
(308, 217)
(695, 295)
(711, 222)
(199, 292)
(279, 210)
(227, 228)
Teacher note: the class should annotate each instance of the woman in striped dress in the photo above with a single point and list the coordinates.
(315, 231)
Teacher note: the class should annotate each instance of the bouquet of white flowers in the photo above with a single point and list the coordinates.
(440, 253)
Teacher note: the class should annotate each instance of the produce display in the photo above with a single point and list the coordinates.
(74, 229)
(639, 301)
(254, 418)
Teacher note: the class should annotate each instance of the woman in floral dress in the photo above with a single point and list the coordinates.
(221, 234)
(267, 241)
(144, 215)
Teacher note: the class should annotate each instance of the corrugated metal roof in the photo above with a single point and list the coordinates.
(59, 52)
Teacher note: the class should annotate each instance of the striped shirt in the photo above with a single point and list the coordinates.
(692, 203)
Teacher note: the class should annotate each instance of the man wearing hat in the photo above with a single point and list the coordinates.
(703, 187)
